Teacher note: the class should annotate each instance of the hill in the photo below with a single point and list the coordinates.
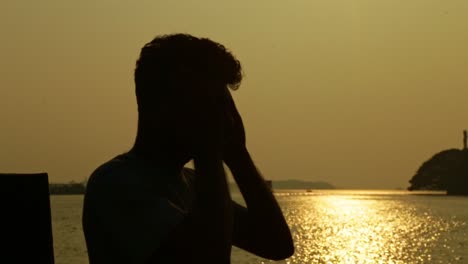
(446, 170)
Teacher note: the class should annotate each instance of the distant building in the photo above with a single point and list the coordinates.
(269, 183)
(67, 188)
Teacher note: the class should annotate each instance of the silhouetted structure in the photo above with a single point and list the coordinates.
(446, 170)
(464, 139)
(269, 183)
(67, 188)
(26, 229)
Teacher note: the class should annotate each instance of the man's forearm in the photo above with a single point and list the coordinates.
(212, 211)
(211, 186)
(263, 209)
(255, 191)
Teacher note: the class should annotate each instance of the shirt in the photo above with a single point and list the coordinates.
(130, 207)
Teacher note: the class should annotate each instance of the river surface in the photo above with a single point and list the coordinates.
(330, 227)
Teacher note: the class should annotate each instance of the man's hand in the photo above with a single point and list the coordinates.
(209, 131)
(234, 144)
(211, 219)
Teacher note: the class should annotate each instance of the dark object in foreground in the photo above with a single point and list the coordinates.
(26, 229)
(446, 170)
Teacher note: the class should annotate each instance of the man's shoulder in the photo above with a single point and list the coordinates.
(112, 173)
(115, 166)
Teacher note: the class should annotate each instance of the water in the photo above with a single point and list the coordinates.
(331, 227)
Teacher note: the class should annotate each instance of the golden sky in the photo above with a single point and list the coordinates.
(354, 92)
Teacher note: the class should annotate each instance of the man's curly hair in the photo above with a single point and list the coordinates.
(169, 61)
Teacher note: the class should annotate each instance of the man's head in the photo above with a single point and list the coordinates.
(173, 72)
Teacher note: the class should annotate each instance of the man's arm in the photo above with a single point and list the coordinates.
(206, 233)
(260, 228)
(212, 211)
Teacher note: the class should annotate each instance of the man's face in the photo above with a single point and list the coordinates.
(194, 109)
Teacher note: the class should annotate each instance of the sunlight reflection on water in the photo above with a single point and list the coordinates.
(331, 227)
(376, 228)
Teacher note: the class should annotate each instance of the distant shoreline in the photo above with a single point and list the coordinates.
(72, 188)
(371, 192)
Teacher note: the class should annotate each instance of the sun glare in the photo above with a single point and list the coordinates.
(361, 229)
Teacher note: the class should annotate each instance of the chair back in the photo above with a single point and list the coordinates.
(25, 219)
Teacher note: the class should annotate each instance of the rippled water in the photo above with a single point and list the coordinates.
(332, 227)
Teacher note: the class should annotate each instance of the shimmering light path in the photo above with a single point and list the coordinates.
(376, 227)
(332, 227)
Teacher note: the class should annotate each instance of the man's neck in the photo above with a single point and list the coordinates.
(152, 149)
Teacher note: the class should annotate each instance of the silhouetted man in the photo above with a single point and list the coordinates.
(143, 206)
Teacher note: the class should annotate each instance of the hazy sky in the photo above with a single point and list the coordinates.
(354, 92)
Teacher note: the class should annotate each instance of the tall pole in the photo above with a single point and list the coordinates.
(465, 136)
